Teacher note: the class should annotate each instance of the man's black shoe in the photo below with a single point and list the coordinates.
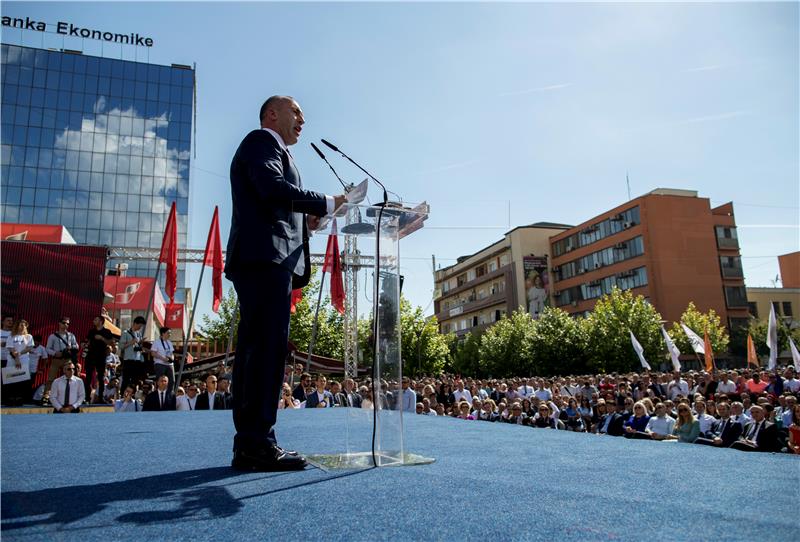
(267, 460)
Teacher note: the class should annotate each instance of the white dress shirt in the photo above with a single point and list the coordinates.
(120, 405)
(184, 402)
(726, 387)
(77, 394)
(706, 422)
(164, 348)
(660, 425)
(463, 395)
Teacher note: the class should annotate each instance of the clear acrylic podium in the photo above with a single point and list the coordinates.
(371, 270)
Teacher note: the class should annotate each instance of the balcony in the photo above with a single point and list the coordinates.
(727, 243)
(732, 273)
(477, 280)
(470, 306)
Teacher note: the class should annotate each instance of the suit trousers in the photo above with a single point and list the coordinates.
(264, 294)
(132, 372)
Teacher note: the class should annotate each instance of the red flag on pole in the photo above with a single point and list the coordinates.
(169, 253)
(752, 357)
(213, 259)
(333, 265)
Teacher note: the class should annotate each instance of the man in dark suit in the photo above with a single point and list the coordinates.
(350, 393)
(211, 399)
(320, 397)
(758, 435)
(725, 431)
(160, 399)
(267, 256)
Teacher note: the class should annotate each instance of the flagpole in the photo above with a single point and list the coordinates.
(189, 329)
(316, 322)
(152, 294)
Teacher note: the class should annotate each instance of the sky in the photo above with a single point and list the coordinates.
(496, 114)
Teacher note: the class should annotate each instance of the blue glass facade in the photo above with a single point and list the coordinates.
(99, 145)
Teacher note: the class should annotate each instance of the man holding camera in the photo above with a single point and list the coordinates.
(164, 356)
(130, 346)
(62, 348)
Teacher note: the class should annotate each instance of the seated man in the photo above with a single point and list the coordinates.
(725, 432)
(211, 399)
(759, 435)
(67, 393)
(660, 425)
(161, 398)
(188, 401)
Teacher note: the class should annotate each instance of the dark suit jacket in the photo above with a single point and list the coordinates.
(340, 399)
(615, 427)
(220, 401)
(269, 202)
(312, 399)
(354, 399)
(767, 438)
(731, 434)
(153, 403)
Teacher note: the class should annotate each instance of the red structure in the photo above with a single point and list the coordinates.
(41, 282)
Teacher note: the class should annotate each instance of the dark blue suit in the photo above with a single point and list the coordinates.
(267, 252)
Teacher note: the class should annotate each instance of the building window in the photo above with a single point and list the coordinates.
(787, 308)
(731, 267)
(620, 252)
(595, 232)
(736, 297)
(752, 308)
(726, 237)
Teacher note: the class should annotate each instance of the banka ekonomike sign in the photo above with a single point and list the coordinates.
(69, 29)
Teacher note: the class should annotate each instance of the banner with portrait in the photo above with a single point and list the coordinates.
(537, 284)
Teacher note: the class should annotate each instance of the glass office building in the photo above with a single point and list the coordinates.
(99, 145)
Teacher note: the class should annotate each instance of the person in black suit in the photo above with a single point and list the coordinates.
(267, 256)
(350, 393)
(725, 431)
(211, 399)
(161, 398)
(758, 435)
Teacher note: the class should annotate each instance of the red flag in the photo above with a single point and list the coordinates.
(752, 357)
(333, 265)
(169, 252)
(297, 295)
(213, 259)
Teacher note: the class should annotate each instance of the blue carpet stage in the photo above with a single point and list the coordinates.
(161, 476)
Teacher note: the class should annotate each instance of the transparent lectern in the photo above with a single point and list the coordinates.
(373, 435)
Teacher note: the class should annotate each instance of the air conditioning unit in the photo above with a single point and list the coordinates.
(557, 293)
(556, 268)
(598, 265)
(627, 225)
(581, 270)
(620, 246)
(570, 248)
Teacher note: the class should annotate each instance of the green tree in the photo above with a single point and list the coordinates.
(559, 343)
(330, 327)
(218, 328)
(758, 330)
(506, 348)
(465, 355)
(700, 323)
(424, 349)
(608, 332)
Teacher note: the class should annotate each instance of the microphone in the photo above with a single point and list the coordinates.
(319, 152)
(336, 149)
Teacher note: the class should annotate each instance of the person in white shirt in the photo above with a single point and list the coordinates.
(542, 393)
(726, 385)
(738, 415)
(62, 347)
(67, 393)
(36, 356)
(409, 397)
(164, 356)
(128, 403)
(19, 345)
(526, 390)
(677, 387)
(706, 422)
(5, 333)
(790, 383)
(660, 425)
(461, 394)
(188, 401)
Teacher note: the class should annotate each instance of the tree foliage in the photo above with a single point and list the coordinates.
(558, 343)
(507, 347)
(700, 323)
(465, 355)
(218, 328)
(758, 330)
(609, 343)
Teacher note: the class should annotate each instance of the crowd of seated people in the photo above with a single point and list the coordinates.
(745, 409)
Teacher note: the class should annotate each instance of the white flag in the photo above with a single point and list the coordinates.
(795, 355)
(698, 344)
(674, 353)
(772, 338)
(639, 351)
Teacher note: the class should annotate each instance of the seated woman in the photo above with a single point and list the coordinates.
(488, 412)
(574, 421)
(587, 413)
(635, 425)
(464, 411)
(687, 429)
(545, 419)
(516, 416)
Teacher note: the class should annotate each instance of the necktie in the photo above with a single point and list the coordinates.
(753, 430)
(724, 425)
(66, 394)
(162, 399)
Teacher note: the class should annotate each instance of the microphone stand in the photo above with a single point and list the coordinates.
(376, 386)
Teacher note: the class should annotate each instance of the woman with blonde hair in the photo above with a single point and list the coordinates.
(687, 429)
(19, 345)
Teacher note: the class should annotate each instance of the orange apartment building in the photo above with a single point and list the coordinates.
(669, 245)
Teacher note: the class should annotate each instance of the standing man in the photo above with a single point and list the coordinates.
(267, 256)
(62, 348)
(130, 346)
(409, 397)
(99, 339)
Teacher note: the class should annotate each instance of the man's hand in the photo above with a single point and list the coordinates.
(312, 222)
(66, 408)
